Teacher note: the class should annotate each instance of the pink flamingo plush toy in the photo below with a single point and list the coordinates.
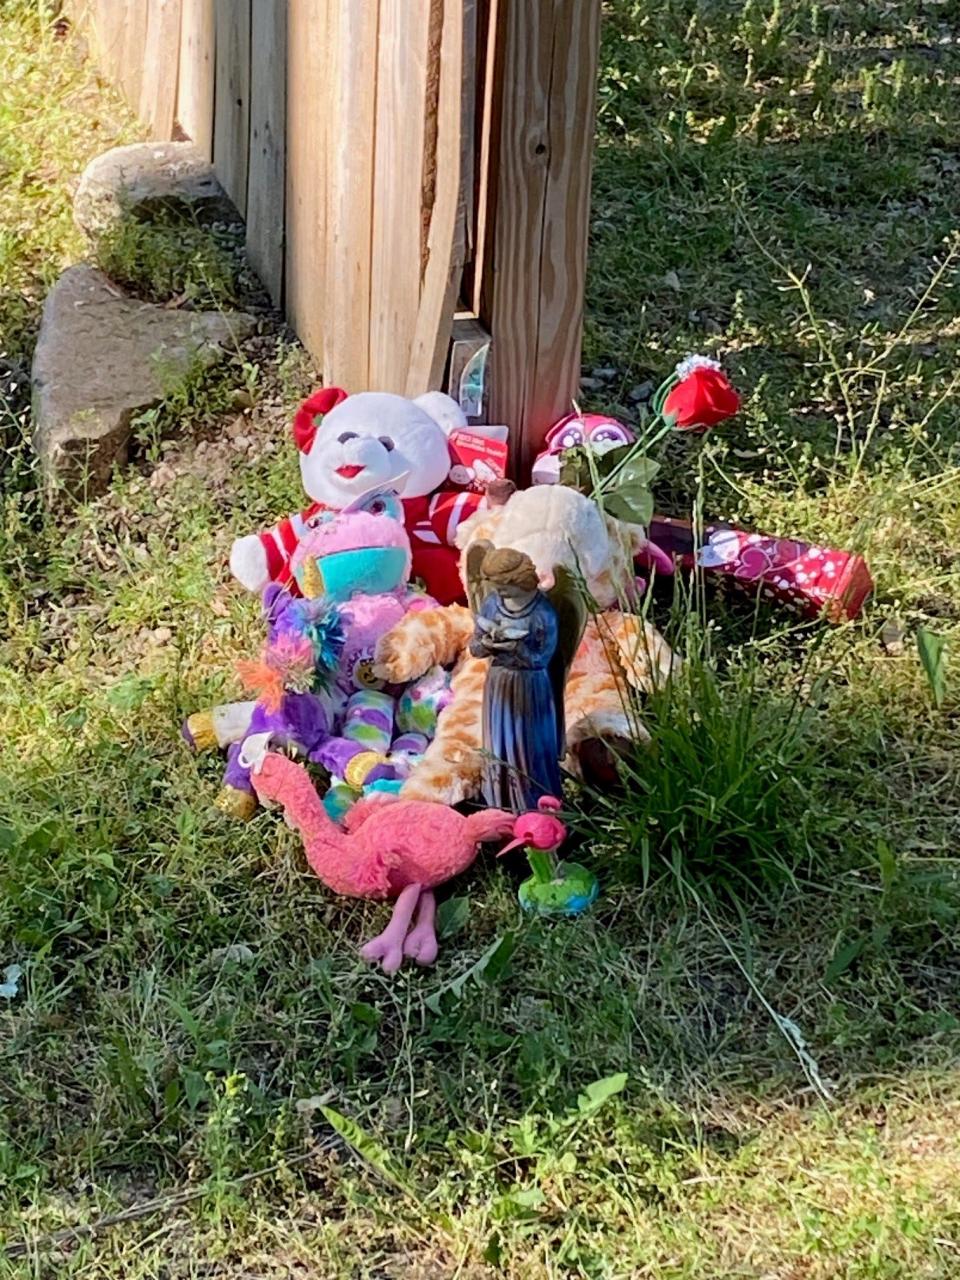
(388, 848)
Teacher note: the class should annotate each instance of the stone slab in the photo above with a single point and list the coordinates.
(101, 358)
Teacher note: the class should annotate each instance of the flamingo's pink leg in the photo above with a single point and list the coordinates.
(421, 943)
(387, 947)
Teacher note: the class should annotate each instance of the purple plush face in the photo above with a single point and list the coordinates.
(357, 551)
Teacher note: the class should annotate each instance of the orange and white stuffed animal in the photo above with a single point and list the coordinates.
(619, 651)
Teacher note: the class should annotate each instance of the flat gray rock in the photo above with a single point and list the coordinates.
(138, 180)
(101, 358)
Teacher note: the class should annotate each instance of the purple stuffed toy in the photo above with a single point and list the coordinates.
(315, 681)
(292, 680)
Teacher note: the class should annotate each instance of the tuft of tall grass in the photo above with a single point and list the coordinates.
(722, 792)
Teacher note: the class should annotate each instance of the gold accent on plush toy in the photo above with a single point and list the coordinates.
(201, 731)
(312, 585)
(355, 774)
(235, 803)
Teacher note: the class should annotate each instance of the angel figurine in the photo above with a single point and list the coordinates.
(519, 629)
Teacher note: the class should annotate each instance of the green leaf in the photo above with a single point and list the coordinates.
(933, 654)
(493, 1252)
(194, 1087)
(452, 916)
(575, 470)
(366, 1146)
(638, 471)
(527, 1198)
(130, 692)
(888, 866)
(633, 504)
(499, 958)
(171, 1094)
(365, 1014)
(596, 1094)
(843, 959)
(490, 965)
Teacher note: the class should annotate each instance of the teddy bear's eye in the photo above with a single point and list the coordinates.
(347, 435)
(387, 443)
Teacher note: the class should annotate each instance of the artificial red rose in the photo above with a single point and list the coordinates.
(702, 398)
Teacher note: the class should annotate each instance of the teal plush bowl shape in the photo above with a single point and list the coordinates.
(370, 570)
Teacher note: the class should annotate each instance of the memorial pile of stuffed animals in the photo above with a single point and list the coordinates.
(437, 639)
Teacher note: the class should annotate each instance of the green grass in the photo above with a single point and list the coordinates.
(172, 256)
(774, 184)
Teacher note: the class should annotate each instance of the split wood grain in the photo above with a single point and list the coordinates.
(541, 217)
(446, 243)
(397, 188)
(353, 52)
(308, 45)
(133, 14)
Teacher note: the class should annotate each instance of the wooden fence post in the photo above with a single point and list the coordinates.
(308, 106)
(231, 113)
(538, 211)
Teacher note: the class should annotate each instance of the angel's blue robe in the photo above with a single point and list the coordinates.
(521, 720)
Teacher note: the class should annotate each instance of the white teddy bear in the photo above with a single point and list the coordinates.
(350, 445)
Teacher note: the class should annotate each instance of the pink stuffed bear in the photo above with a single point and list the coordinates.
(350, 445)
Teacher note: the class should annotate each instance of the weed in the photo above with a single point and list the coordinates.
(173, 257)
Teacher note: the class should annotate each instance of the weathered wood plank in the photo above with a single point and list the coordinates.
(306, 205)
(266, 171)
(197, 66)
(397, 189)
(353, 52)
(542, 199)
(231, 118)
(446, 241)
(158, 92)
(133, 15)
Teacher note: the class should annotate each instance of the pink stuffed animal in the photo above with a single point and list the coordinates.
(389, 848)
(596, 430)
(359, 560)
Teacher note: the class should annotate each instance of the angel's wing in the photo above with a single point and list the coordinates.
(477, 589)
(568, 600)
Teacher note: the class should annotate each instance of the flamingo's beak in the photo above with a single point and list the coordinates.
(514, 844)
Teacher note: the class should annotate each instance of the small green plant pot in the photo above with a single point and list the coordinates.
(569, 892)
